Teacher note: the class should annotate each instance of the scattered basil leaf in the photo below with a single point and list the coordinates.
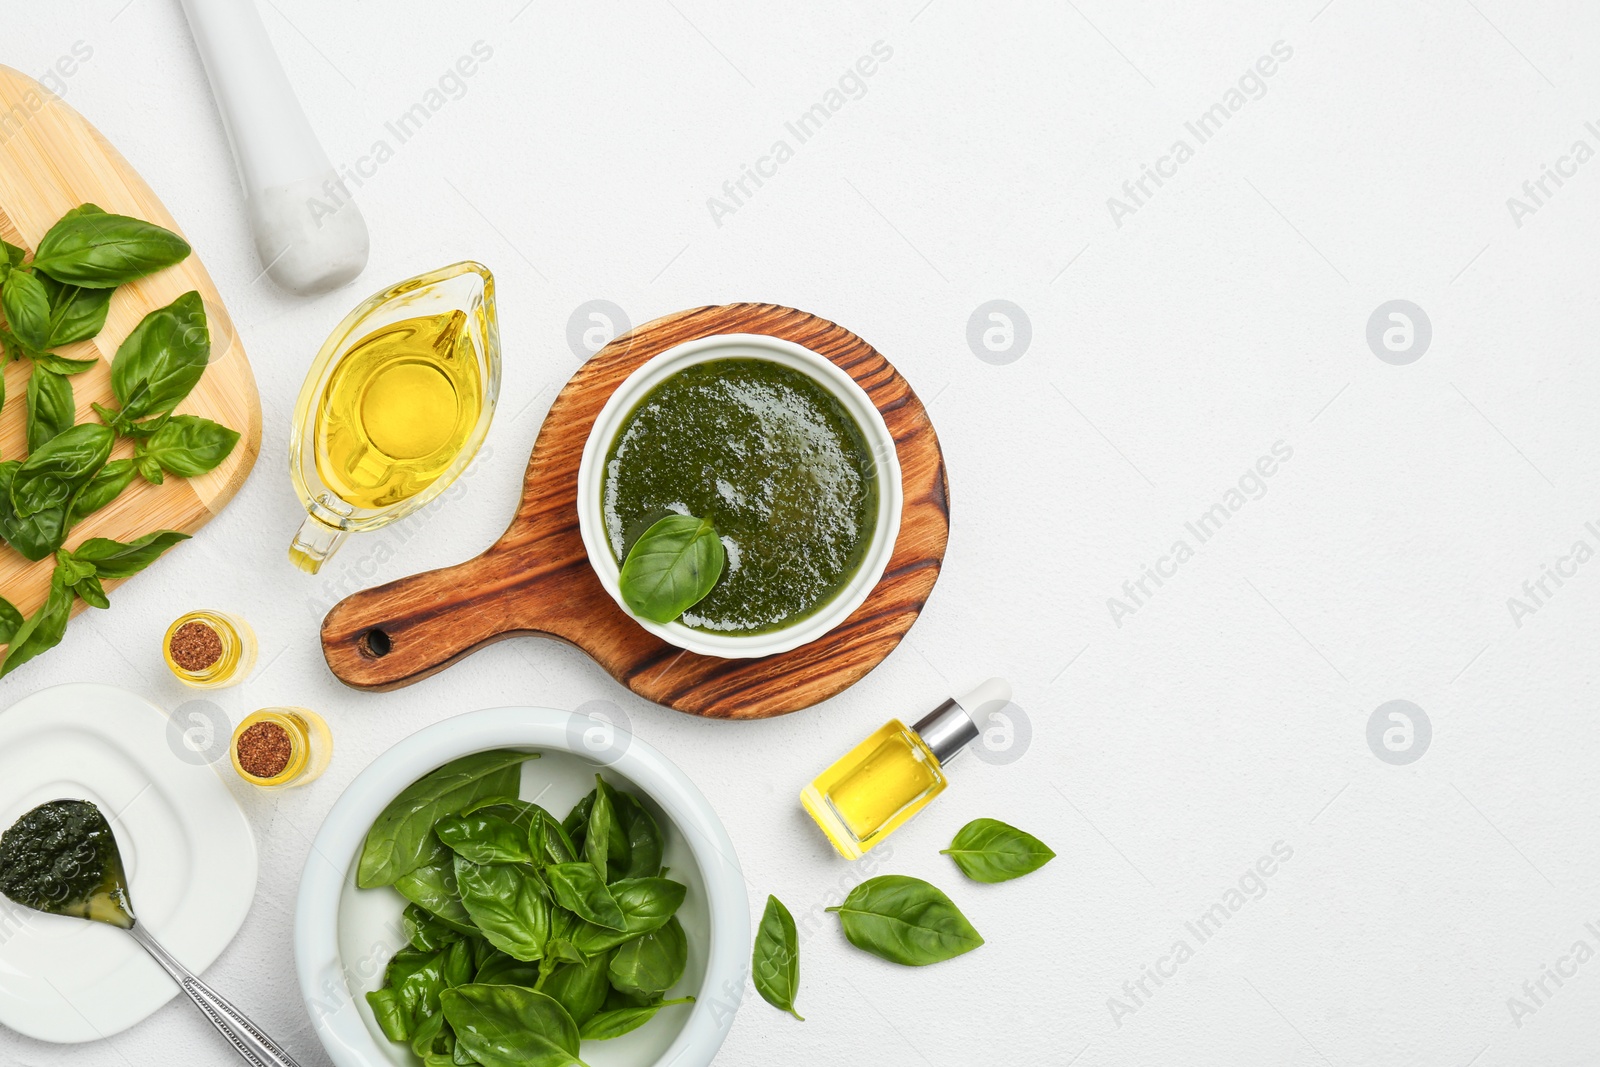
(37, 535)
(76, 313)
(671, 567)
(49, 476)
(51, 409)
(905, 920)
(27, 308)
(580, 987)
(618, 1021)
(101, 251)
(123, 559)
(583, 892)
(775, 959)
(988, 850)
(11, 620)
(61, 364)
(652, 963)
(507, 905)
(187, 445)
(44, 628)
(402, 836)
(508, 1026)
(102, 489)
(161, 360)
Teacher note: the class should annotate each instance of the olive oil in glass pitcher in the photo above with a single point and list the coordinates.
(395, 406)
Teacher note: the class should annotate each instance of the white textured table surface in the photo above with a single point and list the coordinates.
(1177, 337)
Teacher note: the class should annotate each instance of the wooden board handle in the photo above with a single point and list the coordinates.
(395, 634)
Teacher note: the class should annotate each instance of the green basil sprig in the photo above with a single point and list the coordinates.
(160, 362)
(988, 850)
(97, 250)
(905, 920)
(775, 959)
(77, 573)
(671, 567)
(185, 445)
(76, 313)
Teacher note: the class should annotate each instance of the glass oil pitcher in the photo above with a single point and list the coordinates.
(395, 406)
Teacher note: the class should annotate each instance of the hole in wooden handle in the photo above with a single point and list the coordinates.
(374, 644)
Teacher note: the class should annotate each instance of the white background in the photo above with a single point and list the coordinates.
(1168, 353)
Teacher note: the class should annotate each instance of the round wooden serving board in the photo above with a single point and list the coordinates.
(52, 160)
(537, 580)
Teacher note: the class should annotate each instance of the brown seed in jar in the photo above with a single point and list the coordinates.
(195, 647)
(263, 750)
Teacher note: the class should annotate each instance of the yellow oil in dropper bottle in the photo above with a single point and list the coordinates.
(888, 778)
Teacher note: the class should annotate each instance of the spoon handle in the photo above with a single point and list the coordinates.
(247, 1039)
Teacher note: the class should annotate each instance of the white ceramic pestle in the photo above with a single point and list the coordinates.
(308, 231)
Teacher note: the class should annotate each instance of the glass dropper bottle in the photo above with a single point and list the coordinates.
(881, 783)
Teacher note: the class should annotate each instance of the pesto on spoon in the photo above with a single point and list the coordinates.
(61, 858)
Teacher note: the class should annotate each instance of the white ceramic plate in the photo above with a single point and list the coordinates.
(344, 936)
(187, 848)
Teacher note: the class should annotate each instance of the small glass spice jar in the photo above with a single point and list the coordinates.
(275, 748)
(209, 649)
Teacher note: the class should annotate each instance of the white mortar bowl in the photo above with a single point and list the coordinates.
(344, 936)
(657, 369)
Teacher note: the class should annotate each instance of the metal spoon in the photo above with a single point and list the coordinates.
(61, 858)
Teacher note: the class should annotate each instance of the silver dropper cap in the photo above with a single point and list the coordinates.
(956, 723)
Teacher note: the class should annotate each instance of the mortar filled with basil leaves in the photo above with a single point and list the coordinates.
(739, 495)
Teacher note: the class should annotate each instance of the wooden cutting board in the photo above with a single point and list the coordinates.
(537, 580)
(52, 160)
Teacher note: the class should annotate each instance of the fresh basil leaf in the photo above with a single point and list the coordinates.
(484, 837)
(583, 892)
(76, 313)
(402, 836)
(100, 251)
(44, 628)
(37, 535)
(91, 592)
(102, 489)
(579, 987)
(61, 364)
(577, 821)
(775, 959)
(425, 931)
(11, 621)
(432, 887)
(51, 408)
(615, 1022)
(643, 837)
(671, 567)
(652, 963)
(188, 445)
(501, 969)
(162, 359)
(905, 920)
(508, 1026)
(988, 850)
(601, 828)
(385, 1005)
(552, 838)
(12, 257)
(123, 559)
(49, 476)
(646, 903)
(27, 308)
(427, 1034)
(507, 905)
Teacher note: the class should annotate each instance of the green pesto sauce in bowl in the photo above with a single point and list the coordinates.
(776, 463)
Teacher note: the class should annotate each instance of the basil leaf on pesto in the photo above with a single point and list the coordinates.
(672, 567)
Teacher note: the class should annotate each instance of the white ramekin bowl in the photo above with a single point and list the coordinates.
(344, 936)
(592, 470)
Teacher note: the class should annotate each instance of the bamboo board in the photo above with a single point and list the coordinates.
(52, 160)
(536, 580)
